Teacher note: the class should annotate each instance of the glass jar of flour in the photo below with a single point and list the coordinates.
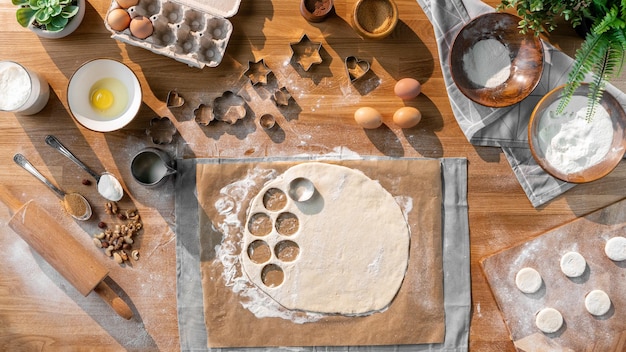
(22, 91)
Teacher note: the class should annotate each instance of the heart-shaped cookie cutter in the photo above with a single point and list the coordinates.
(356, 68)
(174, 100)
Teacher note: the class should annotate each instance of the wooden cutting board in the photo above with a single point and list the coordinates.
(581, 331)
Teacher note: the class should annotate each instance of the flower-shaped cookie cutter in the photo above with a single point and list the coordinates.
(306, 52)
(161, 130)
(230, 107)
(204, 114)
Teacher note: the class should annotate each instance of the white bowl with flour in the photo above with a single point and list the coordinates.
(569, 145)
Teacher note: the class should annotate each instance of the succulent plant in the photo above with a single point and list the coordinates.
(51, 15)
(603, 50)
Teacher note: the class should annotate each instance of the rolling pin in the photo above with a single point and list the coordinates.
(62, 251)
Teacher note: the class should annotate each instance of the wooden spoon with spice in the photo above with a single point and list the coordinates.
(75, 204)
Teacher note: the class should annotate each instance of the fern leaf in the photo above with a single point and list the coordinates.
(589, 52)
(598, 83)
(606, 67)
(607, 22)
(618, 43)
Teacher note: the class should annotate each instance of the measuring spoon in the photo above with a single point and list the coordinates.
(108, 186)
(67, 197)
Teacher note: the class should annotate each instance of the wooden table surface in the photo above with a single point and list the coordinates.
(39, 310)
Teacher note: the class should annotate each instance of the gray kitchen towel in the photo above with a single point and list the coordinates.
(501, 127)
(455, 251)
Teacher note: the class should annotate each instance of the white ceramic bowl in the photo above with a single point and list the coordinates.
(78, 94)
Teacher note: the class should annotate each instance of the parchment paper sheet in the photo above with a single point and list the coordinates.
(455, 256)
(582, 331)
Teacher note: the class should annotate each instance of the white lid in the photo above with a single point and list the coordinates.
(221, 8)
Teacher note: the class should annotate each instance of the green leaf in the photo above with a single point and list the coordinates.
(57, 23)
(69, 11)
(24, 16)
(43, 16)
(598, 84)
(19, 2)
(591, 51)
(35, 4)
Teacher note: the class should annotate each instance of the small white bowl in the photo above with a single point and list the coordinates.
(78, 94)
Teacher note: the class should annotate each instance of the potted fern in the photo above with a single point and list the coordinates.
(50, 18)
(602, 52)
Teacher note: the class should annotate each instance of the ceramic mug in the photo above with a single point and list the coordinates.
(24, 92)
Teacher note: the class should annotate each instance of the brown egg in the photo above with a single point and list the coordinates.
(141, 27)
(127, 3)
(407, 117)
(368, 118)
(407, 88)
(118, 19)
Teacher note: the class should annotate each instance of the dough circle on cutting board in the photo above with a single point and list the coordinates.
(615, 248)
(350, 241)
(549, 320)
(528, 280)
(597, 302)
(573, 264)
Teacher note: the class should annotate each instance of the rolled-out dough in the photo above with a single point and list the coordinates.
(528, 280)
(597, 302)
(573, 264)
(615, 248)
(549, 320)
(352, 239)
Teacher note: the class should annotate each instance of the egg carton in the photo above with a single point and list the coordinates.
(189, 31)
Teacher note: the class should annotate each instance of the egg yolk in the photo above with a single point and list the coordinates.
(102, 99)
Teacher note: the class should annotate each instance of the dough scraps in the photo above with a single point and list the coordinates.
(528, 280)
(349, 242)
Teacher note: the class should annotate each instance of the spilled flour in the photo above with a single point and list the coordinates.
(252, 298)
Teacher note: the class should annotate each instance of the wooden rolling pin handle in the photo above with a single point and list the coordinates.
(10, 200)
(112, 299)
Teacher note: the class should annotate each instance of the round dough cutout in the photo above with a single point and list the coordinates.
(573, 264)
(549, 320)
(615, 248)
(597, 302)
(528, 280)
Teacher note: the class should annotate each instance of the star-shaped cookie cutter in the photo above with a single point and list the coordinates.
(282, 96)
(306, 52)
(257, 72)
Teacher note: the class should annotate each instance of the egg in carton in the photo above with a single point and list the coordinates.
(193, 32)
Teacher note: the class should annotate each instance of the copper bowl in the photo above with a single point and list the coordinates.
(525, 53)
(374, 19)
(538, 135)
